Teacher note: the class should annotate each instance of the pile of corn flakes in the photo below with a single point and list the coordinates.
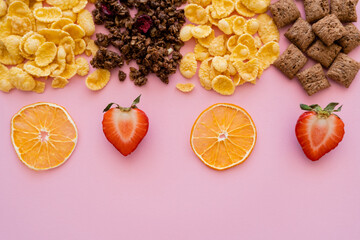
(247, 46)
(41, 41)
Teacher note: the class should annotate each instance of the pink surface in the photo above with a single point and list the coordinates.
(163, 191)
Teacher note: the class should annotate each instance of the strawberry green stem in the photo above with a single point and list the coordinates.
(322, 113)
(124, 109)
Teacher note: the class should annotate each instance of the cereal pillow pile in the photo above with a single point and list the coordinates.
(322, 37)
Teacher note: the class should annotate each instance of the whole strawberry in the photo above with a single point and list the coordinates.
(125, 127)
(319, 130)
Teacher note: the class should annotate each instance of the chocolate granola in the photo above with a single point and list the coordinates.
(151, 38)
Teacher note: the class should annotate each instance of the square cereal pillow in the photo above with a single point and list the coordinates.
(313, 79)
(291, 61)
(284, 12)
(345, 10)
(316, 9)
(329, 29)
(343, 70)
(301, 34)
(351, 40)
(323, 54)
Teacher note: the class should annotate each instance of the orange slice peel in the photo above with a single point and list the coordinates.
(223, 136)
(43, 135)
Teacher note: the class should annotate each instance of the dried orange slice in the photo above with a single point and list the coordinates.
(43, 135)
(223, 136)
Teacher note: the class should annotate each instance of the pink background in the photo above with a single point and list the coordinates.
(163, 191)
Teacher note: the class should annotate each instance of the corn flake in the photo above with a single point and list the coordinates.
(247, 71)
(59, 82)
(232, 42)
(80, 46)
(36, 71)
(215, 14)
(213, 72)
(226, 25)
(22, 44)
(188, 65)
(34, 5)
(21, 80)
(258, 6)
(196, 14)
(223, 85)
(54, 65)
(59, 24)
(261, 71)
(5, 26)
(201, 31)
(223, 8)
(20, 25)
(220, 64)
(231, 69)
(61, 54)
(70, 55)
(242, 10)
(3, 8)
(252, 26)
(63, 4)
(237, 80)
(21, 10)
(204, 74)
(203, 3)
(268, 31)
(45, 54)
(258, 42)
(47, 14)
(75, 31)
(267, 54)
(239, 25)
(57, 68)
(83, 66)
(209, 11)
(32, 43)
(80, 6)
(201, 53)
(98, 79)
(205, 42)
(67, 41)
(53, 35)
(5, 84)
(185, 87)
(91, 48)
(240, 52)
(217, 47)
(185, 32)
(247, 40)
(39, 87)
(40, 25)
(2, 48)
(11, 54)
(70, 14)
(69, 71)
(86, 22)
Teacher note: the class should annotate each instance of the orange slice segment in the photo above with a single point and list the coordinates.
(223, 136)
(43, 135)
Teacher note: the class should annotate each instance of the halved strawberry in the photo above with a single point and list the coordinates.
(125, 127)
(319, 130)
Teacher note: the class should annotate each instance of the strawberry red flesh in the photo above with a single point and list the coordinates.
(319, 131)
(125, 127)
